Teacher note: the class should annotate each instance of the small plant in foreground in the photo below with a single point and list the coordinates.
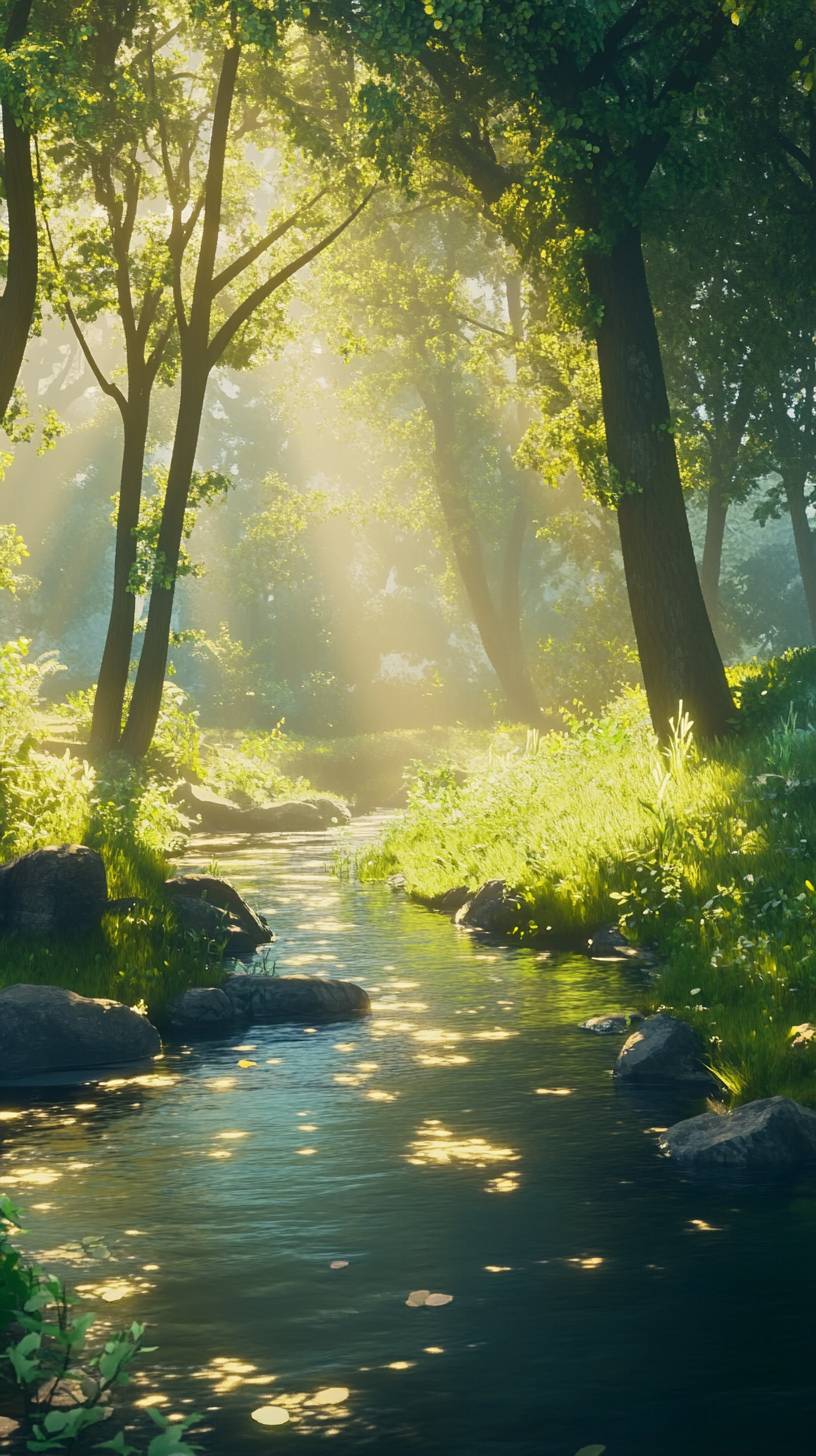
(59, 1386)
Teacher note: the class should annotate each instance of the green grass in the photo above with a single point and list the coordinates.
(700, 854)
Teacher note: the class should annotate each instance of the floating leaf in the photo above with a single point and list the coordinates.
(435, 1301)
(591, 1451)
(339, 1264)
(270, 1415)
(416, 1298)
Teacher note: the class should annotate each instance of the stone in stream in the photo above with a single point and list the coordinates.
(772, 1133)
(204, 1009)
(211, 891)
(218, 815)
(294, 998)
(450, 901)
(612, 1023)
(495, 908)
(608, 944)
(663, 1050)
(57, 890)
(50, 1029)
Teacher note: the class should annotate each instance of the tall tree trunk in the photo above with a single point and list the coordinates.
(507, 664)
(20, 293)
(510, 587)
(109, 700)
(149, 684)
(711, 565)
(794, 485)
(679, 656)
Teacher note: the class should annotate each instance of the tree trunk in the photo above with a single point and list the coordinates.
(20, 293)
(507, 663)
(149, 683)
(711, 566)
(109, 700)
(679, 656)
(794, 485)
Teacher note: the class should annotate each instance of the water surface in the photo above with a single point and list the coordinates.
(465, 1140)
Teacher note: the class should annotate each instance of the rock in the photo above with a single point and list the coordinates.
(663, 1049)
(609, 945)
(203, 1009)
(450, 901)
(397, 883)
(216, 814)
(49, 1029)
(332, 811)
(53, 891)
(224, 896)
(774, 1132)
(612, 1024)
(495, 908)
(294, 998)
(199, 918)
(287, 816)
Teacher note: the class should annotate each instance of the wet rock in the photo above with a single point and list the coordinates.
(662, 1050)
(213, 891)
(287, 816)
(774, 1132)
(203, 1009)
(58, 890)
(198, 918)
(294, 998)
(216, 815)
(450, 901)
(494, 908)
(331, 810)
(608, 944)
(613, 1023)
(49, 1029)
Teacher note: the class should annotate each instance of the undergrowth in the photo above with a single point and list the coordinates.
(710, 857)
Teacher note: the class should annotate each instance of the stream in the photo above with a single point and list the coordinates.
(465, 1140)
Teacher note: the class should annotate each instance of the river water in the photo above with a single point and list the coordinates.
(466, 1140)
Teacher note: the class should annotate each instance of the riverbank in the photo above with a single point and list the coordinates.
(708, 858)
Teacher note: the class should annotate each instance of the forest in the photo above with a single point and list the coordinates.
(407, 726)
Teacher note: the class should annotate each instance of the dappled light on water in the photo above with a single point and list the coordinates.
(437, 1229)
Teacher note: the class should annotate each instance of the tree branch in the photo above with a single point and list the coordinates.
(259, 295)
(234, 269)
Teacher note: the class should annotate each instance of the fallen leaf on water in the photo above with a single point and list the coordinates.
(332, 1395)
(591, 1451)
(434, 1301)
(339, 1264)
(416, 1298)
(270, 1415)
(244, 1062)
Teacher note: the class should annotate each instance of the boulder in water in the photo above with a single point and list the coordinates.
(294, 998)
(216, 892)
(50, 891)
(50, 1029)
(203, 1009)
(612, 1023)
(772, 1133)
(495, 908)
(662, 1050)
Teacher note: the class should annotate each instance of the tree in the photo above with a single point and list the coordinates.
(106, 245)
(558, 121)
(425, 376)
(19, 296)
(206, 184)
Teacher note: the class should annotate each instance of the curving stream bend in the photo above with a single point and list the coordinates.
(465, 1140)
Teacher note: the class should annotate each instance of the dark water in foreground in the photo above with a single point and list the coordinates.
(466, 1140)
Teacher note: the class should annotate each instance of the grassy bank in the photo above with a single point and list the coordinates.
(130, 817)
(710, 857)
